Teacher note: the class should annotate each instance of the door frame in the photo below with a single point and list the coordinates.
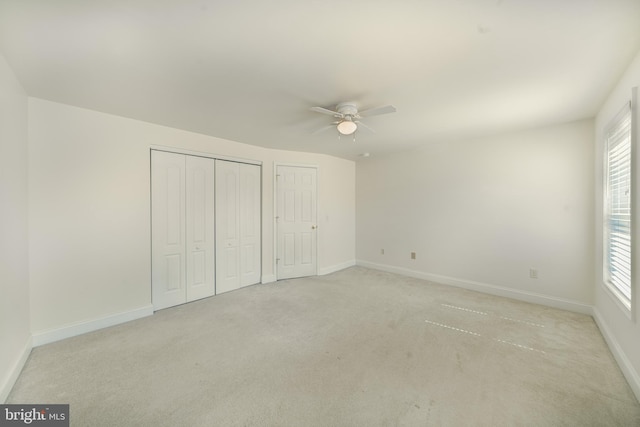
(275, 211)
(178, 150)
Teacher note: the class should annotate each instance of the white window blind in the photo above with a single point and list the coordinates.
(618, 207)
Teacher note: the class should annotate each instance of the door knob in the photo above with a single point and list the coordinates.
(313, 227)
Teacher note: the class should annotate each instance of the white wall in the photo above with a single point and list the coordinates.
(89, 211)
(622, 333)
(15, 338)
(337, 216)
(481, 213)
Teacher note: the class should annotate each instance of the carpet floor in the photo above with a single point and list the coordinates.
(358, 347)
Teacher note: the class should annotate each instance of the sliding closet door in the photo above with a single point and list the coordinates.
(237, 225)
(200, 237)
(168, 229)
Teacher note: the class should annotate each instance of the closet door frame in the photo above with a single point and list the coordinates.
(176, 150)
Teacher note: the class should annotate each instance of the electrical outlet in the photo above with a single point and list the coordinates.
(533, 273)
(413, 255)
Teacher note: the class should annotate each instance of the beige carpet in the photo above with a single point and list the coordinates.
(355, 348)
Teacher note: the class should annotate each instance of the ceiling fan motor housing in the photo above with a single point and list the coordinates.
(347, 109)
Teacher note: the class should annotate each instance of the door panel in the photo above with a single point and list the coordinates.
(238, 217)
(173, 264)
(200, 228)
(296, 189)
(168, 229)
(230, 260)
(288, 257)
(199, 268)
(250, 230)
(306, 248)
(228, 242)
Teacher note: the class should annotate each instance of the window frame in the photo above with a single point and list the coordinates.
(617, 294)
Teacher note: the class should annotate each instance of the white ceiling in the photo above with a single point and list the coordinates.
(249, 70)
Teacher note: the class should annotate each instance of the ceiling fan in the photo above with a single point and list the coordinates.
(348, 117)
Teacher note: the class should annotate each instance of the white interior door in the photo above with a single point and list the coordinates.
(168, 229)
(250, 229)
(200, 237)
(296, 221)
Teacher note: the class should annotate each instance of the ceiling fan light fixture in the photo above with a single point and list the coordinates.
(348, 117)
(347, 127)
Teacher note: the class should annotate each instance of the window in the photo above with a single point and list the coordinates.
(617, 205)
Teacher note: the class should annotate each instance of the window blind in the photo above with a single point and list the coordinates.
(618, 207)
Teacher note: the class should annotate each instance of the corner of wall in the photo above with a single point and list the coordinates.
(337, 267)
(15, 339)
(487, 288)
(618, 330)
(16, 369)
(627, 368)
(268, 278)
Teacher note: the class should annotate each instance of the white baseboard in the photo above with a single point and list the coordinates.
(321, 271)
(336, 267)
(52, 335)
(268, 278)
(15, 371)
(623, 361)
(486, 288)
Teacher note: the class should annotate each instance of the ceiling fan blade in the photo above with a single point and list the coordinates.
(377, 111)
(359, 123)
(325, 111)
(324, 128)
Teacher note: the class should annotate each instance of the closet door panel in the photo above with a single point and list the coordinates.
(168, 229)
(250, 230)
(238, 220)
(200, 228)
(227, 226)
